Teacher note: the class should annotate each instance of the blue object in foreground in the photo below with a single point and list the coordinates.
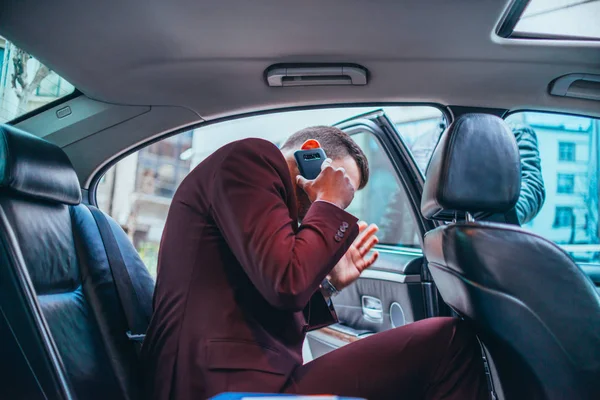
(260, 396)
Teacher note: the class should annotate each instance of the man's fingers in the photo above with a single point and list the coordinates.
(362, 225)
(326, 163)
(373, 240)
(365, 234)
(371, 260)
(367, 262)
(301, 181)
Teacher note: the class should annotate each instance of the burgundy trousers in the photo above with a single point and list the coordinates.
(436, 358)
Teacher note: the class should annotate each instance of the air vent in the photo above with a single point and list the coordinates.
(580, 86)
(319, 75)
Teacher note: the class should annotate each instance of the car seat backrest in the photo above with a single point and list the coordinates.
(535, 310)
(53, 252)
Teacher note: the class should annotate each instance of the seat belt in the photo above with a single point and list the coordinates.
(137, 318)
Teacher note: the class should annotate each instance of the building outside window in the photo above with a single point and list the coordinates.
(422, 137)
(563, 217)
(163, 165)
(4, 54)
(566, 151)
(1, 56)
(565, 184)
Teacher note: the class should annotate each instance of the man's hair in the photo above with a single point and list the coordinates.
(336, 145)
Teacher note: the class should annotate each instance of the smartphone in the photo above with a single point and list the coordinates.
(309, 162)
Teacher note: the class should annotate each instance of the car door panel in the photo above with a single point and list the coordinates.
(391, 292)
(395, 278)
(395, 281)
(407, 299)
(399, 261)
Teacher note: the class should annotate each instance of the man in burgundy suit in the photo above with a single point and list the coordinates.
(240, 282)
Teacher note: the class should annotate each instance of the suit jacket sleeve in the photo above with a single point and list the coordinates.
(318, 313)
(250, 205)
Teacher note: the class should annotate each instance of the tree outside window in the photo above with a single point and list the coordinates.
(26, 83)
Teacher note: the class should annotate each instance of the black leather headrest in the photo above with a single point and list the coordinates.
(34, 167)
(475, 168)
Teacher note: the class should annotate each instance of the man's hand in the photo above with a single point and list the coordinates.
(332, 185)
(355, 261)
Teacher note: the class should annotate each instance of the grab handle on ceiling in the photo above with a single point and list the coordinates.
(582, 86)
(278, 76)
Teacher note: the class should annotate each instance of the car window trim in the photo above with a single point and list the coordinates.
(508, 113)
(73, 95)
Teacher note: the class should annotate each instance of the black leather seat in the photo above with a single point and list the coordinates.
(62, 325)
(535, 310)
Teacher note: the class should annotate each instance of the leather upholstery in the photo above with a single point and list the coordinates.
(33, 167)
(28, 353)
(474, 168)
(64, 263)
(535, 310)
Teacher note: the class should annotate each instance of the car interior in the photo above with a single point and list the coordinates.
(106, 106)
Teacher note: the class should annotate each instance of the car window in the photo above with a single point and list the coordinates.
(557, 19)
(569, 153)
(138, 189)
(384, 200)
(421, 137)
(26, 83)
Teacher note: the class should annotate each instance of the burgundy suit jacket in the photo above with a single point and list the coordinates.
(235, 274)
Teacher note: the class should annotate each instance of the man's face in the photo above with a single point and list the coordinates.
(303, 202)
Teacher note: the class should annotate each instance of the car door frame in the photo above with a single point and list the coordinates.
(411, 178)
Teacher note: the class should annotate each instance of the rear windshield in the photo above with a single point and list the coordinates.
(26, 83)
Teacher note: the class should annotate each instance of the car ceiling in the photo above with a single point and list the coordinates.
(209, 57)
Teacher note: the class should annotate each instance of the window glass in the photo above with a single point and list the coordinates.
(565, 184)
(564, 216)
(569, 152)
(384, 201)
(26, 83)
(137, 190)
(566, 151)
(421, 137)
(560, 19)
